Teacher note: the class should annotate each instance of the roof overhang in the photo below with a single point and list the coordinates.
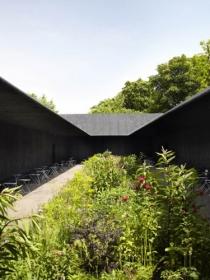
(18, 108)
(192, 113)
(110, 124)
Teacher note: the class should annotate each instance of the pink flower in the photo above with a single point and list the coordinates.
(147, 187)
(141, 179)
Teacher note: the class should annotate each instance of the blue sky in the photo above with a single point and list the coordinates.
(80, 52)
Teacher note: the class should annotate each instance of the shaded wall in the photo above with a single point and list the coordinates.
(143, 143)
(191, 145)
(84, 147)
(118, 145)
(22, 149)
(185, 130)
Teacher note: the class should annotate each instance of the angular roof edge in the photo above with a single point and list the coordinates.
(41, 106)
(177, 108)
(110, 124)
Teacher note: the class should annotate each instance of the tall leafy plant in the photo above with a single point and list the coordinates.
(167, 193)
(104, 170)
(15, 241)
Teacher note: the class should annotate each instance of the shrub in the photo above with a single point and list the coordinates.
(15, 241)
(120, 218)
(104, 170)
(69, 209)
(96, 243)
(130, 164)
(167, 198)
(183, 273)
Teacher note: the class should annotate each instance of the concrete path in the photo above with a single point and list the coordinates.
(32, 202)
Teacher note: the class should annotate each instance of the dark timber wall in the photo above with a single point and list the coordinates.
(22, 149)
(30, 135)
(185, 130)
(83, 147)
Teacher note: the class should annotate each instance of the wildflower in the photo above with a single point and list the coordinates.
(147, 187)
(124, 198)
(141, 179)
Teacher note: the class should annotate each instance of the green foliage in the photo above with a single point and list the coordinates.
(119, 218)
(77, 197)
(130, 164)
(111, 105)
(52, 264)
(55, 259)
(168, 191)
(119, 206)
(104, 171)
(96, 243)
(206, 48)
(176, 81)
(183, 273)
(44, 101)
(137, 95)
(15, 241)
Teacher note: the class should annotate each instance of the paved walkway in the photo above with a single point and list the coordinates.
(32, 202)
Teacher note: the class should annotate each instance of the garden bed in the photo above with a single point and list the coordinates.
(119, 218)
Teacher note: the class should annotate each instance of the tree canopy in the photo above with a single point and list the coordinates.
(176, 81)
(44, 101)
(110, 105)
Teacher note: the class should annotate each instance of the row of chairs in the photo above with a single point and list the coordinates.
(204, 181)
(37, 176)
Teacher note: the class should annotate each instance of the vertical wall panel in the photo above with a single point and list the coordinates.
(22, 149)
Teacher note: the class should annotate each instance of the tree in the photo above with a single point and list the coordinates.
(205, 45)
(111, 105)
(137, 95)
(176, 81)
(44, 101)
(206, 49)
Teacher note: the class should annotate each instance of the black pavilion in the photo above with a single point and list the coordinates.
(32, 135)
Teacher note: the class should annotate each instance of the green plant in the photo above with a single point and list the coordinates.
(167, 200)
(182, 273)
(114, 275)
(119, 218)
(104, 170)
(69, 209)
(144, 272)
(119, 206)
(15, 241)
(129, 164)
(96, 243)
